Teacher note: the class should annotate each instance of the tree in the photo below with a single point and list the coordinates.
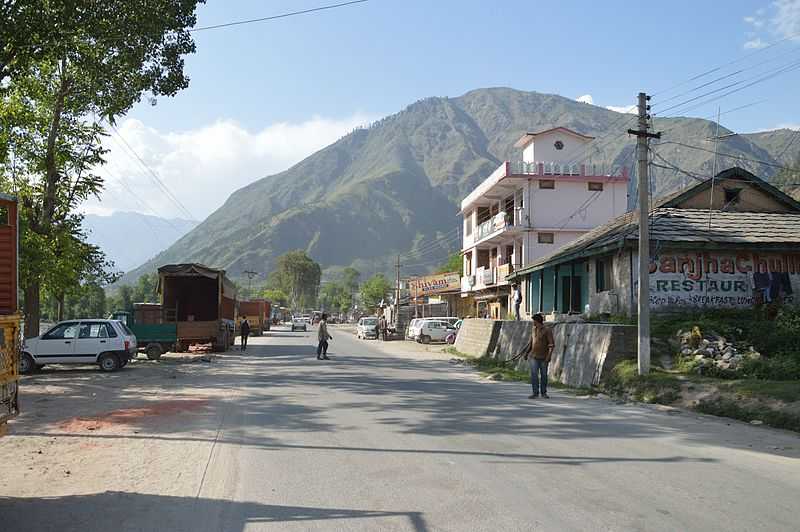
(298, 276)
(276, 296)
(453, 264)
(374, 290)
(90, 61)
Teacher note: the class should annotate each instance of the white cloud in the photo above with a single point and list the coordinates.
(755, 44)
(755, 22)
(786, 22)
(629, 109)
(586, 98)
(201, 167)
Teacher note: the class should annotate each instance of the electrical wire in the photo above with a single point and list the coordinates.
(275, 17)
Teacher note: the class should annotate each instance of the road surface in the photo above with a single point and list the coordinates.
(386, 437)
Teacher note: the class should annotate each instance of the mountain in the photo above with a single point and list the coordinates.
(130, 238)
(396, 186)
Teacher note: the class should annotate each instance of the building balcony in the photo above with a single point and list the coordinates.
(486, 277)
(501, 182)
(496, 229)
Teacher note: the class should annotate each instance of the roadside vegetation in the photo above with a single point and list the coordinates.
(764, 387)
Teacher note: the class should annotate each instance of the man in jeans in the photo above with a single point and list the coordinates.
(323, 337)
(542, 344)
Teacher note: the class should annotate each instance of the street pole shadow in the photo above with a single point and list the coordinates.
(128, 512)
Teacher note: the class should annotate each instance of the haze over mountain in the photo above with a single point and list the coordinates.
(395, 186)
(131, 238)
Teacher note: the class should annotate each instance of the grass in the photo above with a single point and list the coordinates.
(787, 391)
(733, 409)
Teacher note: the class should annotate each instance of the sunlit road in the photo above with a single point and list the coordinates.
(373, 440)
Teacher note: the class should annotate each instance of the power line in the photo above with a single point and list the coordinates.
(152, 174)
(729, 156)
(274, 17)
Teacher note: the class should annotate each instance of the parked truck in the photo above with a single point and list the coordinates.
(9, 311)
(154, 334)
(258, 313)
(201, 302)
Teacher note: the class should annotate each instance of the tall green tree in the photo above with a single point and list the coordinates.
(374, 290)
(297, 275)
(68, 66)
(452, 264)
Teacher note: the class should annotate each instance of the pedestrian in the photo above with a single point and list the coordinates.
(542, 344)
(516, 298)
(323, 337)
(382, 328)
(244, 330)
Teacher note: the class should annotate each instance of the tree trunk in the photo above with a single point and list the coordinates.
(60, 307)
(32, 309)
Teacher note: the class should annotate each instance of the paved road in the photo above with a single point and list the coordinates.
(383, 438)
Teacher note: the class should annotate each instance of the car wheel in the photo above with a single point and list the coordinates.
(108, 362)
(154, 352)
(425, 339)
(26, 364)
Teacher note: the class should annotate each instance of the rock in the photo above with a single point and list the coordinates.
(754, 354)
(756, 422)
(704, 342)
(686, 351)
(727, 356)
(699, 357)
(495, 377)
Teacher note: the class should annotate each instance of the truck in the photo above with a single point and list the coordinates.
(258, 313)
(201, 302)
(154, 335)
(10, 317)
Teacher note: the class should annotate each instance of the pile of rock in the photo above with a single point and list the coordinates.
(712, 351)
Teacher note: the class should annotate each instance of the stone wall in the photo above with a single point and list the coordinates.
(584, 352)
(477, 337)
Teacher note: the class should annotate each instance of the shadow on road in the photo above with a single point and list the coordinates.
(124, 511)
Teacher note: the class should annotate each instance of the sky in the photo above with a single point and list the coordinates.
(265, 95)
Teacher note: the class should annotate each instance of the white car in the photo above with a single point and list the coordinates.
(108, 343)
(434, 330)
(367, 328)
(415, 327)
(299, 324)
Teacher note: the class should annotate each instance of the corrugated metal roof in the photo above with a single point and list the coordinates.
(683, 225)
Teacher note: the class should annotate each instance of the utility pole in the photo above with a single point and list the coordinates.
(643, 136)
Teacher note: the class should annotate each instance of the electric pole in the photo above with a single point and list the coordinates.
(643, 136)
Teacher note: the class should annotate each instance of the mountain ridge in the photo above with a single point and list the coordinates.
(395, 186)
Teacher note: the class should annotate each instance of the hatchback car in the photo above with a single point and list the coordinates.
(108, 343)
(434, 331)
(299, 324)
(367, 328)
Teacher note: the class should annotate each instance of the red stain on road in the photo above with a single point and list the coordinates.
(131, 416)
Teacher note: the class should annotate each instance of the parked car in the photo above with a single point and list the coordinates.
(367, 328)
(451, 338)
(299, 324)
(108, 343)
(434, 330)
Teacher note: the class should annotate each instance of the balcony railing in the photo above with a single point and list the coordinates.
(546, 168)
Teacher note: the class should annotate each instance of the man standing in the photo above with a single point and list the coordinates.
(323, 337)
(542, 344)
(244, 330)
(516, 298)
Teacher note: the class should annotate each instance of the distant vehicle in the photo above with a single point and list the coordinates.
(299, 324)
(108, 343)
(451, 338)
(434, 330)
(415, 326)
(367, 328)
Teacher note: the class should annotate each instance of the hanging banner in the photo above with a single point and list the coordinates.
(435, 284)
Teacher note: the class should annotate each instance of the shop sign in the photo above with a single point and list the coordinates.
(433, 284)
(737, 280)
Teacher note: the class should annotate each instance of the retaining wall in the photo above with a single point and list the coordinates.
(583, 353)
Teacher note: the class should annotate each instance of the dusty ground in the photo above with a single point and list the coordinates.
(83, 430)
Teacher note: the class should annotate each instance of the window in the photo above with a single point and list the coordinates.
(469, 224)
(545, 238)
(731, 195)
(483, 214)
(62, 332)
(547, 184)
(595, 186)
(604, 279)
(113, 334)
(93, 330)
(3, 215)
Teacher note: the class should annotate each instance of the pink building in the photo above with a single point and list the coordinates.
(529, 208)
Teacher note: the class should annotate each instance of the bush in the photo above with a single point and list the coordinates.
(782, 367)
(728, 408)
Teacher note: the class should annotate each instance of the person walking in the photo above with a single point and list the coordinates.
(323, 337)
(244, 330)
(516, 298)
(542, 344)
